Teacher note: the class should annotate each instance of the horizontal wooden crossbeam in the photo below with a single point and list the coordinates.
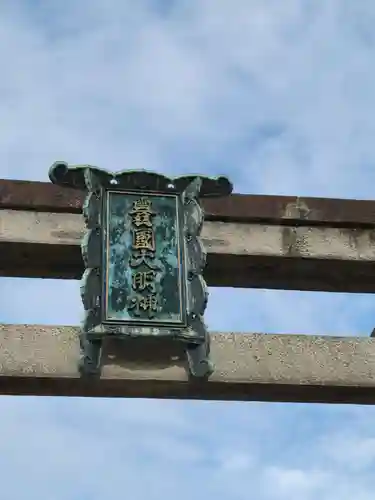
(43, 244)
(252, 241)
(42, 360)
(46, 197)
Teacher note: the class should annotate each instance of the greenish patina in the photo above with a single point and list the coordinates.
(144, 258)
(145, 278)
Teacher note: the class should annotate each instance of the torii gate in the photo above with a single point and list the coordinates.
(253, 241)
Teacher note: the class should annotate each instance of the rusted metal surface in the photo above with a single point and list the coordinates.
(42, 196)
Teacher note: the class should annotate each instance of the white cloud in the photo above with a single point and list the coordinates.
(295, 481)
(349, 448)
(237, 461)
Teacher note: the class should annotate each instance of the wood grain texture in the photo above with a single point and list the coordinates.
(42, 360)
(42, 244)
(46, 197)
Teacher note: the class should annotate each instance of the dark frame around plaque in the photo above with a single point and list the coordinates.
(143, 185)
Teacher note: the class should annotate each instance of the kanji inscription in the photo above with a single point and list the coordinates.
(145, 277)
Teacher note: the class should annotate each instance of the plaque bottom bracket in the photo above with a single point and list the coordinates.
(198, 358)
(199, 364)
(90, 356)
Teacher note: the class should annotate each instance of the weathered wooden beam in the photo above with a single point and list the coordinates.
(42, 360)
(41, 244)
(46, 197)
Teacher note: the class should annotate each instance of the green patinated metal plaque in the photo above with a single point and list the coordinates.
(144, 279)
(143, 259)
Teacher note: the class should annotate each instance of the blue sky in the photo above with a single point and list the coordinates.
(278, 95)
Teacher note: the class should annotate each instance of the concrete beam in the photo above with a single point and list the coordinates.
(42, 244)
(42, 360)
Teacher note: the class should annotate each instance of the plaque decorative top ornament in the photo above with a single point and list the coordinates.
(143, 258)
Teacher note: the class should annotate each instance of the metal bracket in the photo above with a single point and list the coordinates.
(91, 351)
